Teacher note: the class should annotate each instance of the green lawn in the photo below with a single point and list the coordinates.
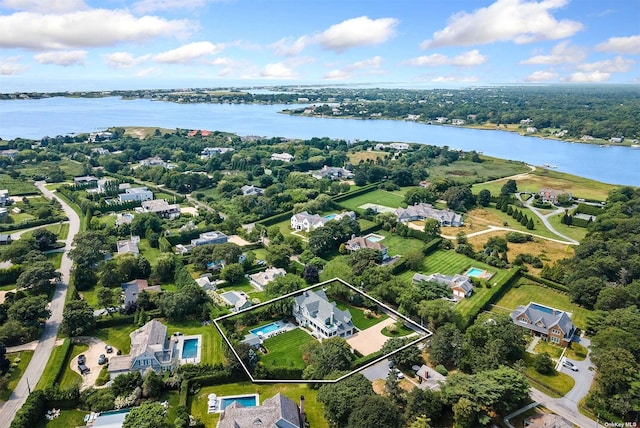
(212, 350)
(554, 351)
(398, 245)
(575, 232)
(380, 197)
(15, 373)
(464, 171)
(285, 349)
(525, 291)
(358, 318)
(55, 259)
(400, 332)
(148, 252)
(338, 267)
(17, 186)
(576, 352)
(69, 377)
(67, 418)
(313, 409)
(118, 337)
(51, 369)
(556, 385)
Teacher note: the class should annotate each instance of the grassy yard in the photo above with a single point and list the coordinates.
(576, 352)
(55, 259)
(67, 418)
(118, 337)
(575, 232)
(148, 252)
(69, 377)
(17, 186)
(397, 245)
(284, 349)
(525, 291)
(313, 409)
(51, 369)
(399, 332)
(381, 197)
(555, 385)
(212, 351)
(554, 351)
(15, 373)
(359, 320)
(472, 172)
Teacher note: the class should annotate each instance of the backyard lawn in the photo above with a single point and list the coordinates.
(552, 350)
(359, 320)
(381, 197)
(16, 186)
(118, 337)
(313, 409)
(284, 349)
(212, 351)
(555, 385)
(398, 245)
(15, 373)
(525, 291)
(67, 418)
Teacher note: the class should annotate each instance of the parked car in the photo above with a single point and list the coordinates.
(568, 364)
(83, 369)
(81, 359)
(102, 359)
(109, 349)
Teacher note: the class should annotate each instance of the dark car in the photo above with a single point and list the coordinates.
(81, 359)
(102, 359)
(83, 369)
(568, 364)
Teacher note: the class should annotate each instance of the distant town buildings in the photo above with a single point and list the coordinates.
(284, 157)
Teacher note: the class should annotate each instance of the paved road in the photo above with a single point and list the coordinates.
(544, 217)
(43, 350)
(491, 228)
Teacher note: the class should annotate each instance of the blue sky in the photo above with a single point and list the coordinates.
(120, 44)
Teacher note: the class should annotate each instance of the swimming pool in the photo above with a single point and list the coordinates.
(475, 272)
(245, 400)
(266, 329)
(330, 216)
(189, 348)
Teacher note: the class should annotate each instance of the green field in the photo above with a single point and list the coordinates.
(15, 373)
(471, 172)
(284, 349)
(17, 186)
(577, 233)
(359, 320)
(525, 291)
(397, 245)
(197, 404)
(380, 197)
(70, 377)
(67, 418)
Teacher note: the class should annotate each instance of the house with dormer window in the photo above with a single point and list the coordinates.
(312, 309)
(550, 324)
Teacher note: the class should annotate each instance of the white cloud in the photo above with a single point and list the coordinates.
(624, 45)
(357, 32)
(453, 78)
(147, 6)
(188, 53)
(374, 62)
(289, 47)
(588, 77)
(465, 59)
(151, 71)
(97, 27)
(123, 59)
(64, 58)
(561, 53)
(616, 65)
(45, 6)
(337, 75)
(520, 21)
(541, 76)
(11, 67)
(277, 70)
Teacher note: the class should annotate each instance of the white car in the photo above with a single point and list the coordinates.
(568, 364)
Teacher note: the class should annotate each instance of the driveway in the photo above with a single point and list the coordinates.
(96, 347)
(377, 371)
(371, 339)
(43, 350)
(544, 217)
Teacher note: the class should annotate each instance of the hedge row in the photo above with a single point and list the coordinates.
(496, 292)
(217, 378)
(274, 219)
(32, 223)
(546, 282)
(31, 411)
(361, 361)
(580, 222)
(10, 275)
(184, 237)
(58, 365)
(279, 372)
(431, 246)
(361, 191)
(589, 209)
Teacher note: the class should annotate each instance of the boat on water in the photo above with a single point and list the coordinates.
(548, 165)
(635, 146)
(605, 145)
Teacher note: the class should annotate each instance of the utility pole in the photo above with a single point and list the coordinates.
(28, 387)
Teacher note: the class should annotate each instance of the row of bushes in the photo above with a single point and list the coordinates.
(32, 223)
(31, 411)
(589, 209)
(495, 293)
(10, 275)
(546, 282)
(217, 378)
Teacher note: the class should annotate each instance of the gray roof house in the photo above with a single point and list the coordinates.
(423, 211)
(251, 190)
(129, 246)
(213, 237)
(275, 412)
(332, 173)
(546, 322)
(313, 309)
(161, 208)
(261, 279)
(150, 348)
(460, 285)
(132, 290)
(359, 242)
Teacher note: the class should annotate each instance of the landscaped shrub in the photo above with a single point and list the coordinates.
(442, 370)
(31, 411)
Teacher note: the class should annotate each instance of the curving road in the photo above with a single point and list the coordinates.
(544, 217)
(43, 350)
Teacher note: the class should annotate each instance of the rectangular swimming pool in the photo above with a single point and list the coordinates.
(189, 349)
(245, 400)
(266, 329)
(330, 216)
(475, 272)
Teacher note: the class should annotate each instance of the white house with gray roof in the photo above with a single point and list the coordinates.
(150, 348)
(423, 211)
(460, 285)
(312, 309)
(275, 412)
(548, 323)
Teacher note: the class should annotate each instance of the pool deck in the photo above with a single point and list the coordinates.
(180, 345)
(217, 408)
(484, 275)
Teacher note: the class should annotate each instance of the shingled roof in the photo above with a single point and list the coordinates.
(275, 412)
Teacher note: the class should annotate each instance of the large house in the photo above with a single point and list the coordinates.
(359, 242)
(261, 279)
(10, 154)
(460, 285)
(551, 195)
(424, 211)
(550, 324)
(129, 246)
(312, 309)
(332, 173)
(284, 157)
(85, 180)
(213, 237)
(250, 190)
(208, 152)
(150, 348)
(275, 412)
(308, 222)
(161, 208)
(138, 194)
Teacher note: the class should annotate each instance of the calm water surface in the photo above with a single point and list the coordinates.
(60, 116)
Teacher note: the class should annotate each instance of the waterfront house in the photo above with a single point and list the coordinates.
(551, 195)
(312, 309)
(548, 323)
(423, 211)
(150, 348)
